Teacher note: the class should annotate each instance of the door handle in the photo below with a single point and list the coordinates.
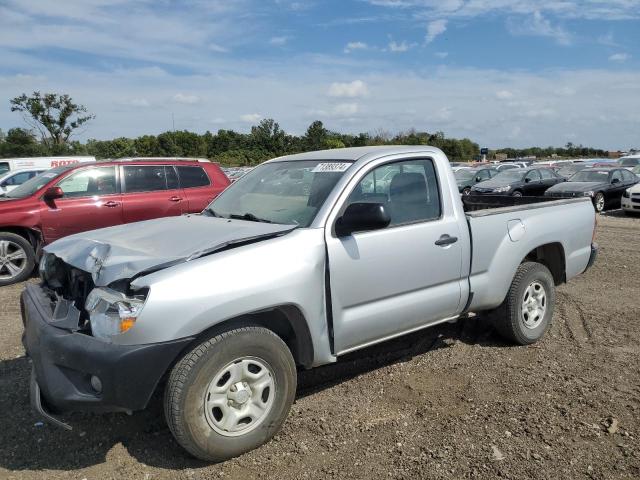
(175, 199)
(445, 240)
(111, 204)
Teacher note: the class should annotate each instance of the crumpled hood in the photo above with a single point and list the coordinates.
(125, 251)
(577, 186)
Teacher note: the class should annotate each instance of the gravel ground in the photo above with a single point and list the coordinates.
(450, 402)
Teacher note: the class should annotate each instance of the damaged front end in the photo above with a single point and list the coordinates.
(79, 306)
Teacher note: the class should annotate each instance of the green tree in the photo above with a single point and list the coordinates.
(316, 136)
(268, 136)
(20, 143)
(55, 117)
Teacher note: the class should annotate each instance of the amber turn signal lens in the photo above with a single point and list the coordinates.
(126, 324)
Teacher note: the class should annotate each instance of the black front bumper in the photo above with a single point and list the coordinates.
(64, 362)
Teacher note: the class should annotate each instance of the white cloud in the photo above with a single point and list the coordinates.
(619, 57)
(538, 25)
(357, 88)
(345, 109)
(441, 54)
(504, 94)
(398, 47)
(251, 117)
(186, 99)
(137, 102)
(351, 46)
(279, 41)
(434, 29)
(214, 47)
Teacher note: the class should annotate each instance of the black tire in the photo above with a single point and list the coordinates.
(27, 264)
(596, 202)
(517, 193)
(191, 379)
(508, 318)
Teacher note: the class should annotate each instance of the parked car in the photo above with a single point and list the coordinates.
(43, 163)
(519, 182)
(467, 178)
(630, 201)
(75, 198)
(507, 166)
(226, 306)
(603, 186)
(15, 178)
(629, 161)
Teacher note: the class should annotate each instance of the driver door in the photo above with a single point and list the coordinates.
(91, 200)
(390, 281)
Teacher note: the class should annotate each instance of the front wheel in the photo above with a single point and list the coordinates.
(525, 314)
(517, 193)
(598, 202)
(466, 191)
(17, 258)
(231, 393)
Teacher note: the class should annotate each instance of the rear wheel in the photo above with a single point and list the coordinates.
(231, 393)
(525, 314)
(599, 201)
(17, 259)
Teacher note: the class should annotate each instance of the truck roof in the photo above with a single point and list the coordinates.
(355, 153)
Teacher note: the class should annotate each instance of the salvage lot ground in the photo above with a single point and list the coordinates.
(450, 402)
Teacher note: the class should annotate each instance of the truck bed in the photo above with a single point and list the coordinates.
(482, 205)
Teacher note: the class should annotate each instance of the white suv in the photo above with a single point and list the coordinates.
(15, 178)
(631, 200)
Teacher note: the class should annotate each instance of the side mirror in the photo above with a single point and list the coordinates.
(478, 179)
(615, 180)
(360, 217)
(527, 180)
(53, 193)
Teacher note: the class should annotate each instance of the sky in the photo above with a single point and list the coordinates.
(501, 72)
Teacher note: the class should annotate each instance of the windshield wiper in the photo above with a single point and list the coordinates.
(211, 212)
(250, 217)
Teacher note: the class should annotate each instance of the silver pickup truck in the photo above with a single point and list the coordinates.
(304, 259)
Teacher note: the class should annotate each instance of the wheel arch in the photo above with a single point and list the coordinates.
(34, 237)
(287, 321)
(552, 256)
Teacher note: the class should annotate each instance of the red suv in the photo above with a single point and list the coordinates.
(75, 198)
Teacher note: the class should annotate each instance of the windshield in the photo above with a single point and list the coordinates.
(511, 175)
(629, 162)
(31, 186)
(289, 193)
(464, 175)
(590, 176)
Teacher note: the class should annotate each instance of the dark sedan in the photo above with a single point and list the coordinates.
(519, 182)
(604, 186)
(468, 177)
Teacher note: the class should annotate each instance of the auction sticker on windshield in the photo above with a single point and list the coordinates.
(330, 167)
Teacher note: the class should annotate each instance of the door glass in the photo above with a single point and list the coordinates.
(616, 176)
(546, 174)
(89, 182)
(483, 174)
(193, 177)
(4, 167)
(144, 178)
(533, 175)
(18, 179)
(407, 189)
(172, 178)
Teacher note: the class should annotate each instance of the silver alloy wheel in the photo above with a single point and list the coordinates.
(240, 396)
(599, 202)
(13, 260)
(517, 194)
(534, 305)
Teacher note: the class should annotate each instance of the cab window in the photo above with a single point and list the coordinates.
(408, 190)
(532, 176)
